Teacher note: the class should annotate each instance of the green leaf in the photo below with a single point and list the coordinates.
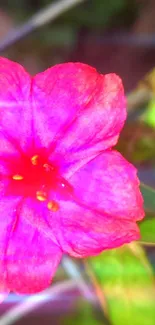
(126, 280)
(149, 115)
(147, 229)
(148, 193)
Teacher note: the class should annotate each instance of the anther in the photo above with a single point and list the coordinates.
(17, 177)
(41, 196)
(53, 206)
(34, 160)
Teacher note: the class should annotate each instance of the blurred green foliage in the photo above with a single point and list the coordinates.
(149, 115)
(147, 229)
(126, 279)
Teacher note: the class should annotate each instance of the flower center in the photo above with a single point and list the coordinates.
(35, 178)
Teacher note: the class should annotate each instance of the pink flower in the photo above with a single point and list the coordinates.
(63, 189)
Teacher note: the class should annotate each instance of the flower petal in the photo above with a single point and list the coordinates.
(77, 230)
(32, 260)
(28, 258)
(77, 111)
(109, 184)
(15, 108)
(7, 213)
(84, 232)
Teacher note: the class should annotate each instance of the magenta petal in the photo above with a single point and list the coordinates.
(38, 215)
(32, 259)
(29, 258)
(109, 184)
(83, 232)
(77, 230)
(77, 110)
(7, 213)
(15, 108)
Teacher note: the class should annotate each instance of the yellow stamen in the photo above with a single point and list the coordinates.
(17, 177)
(41, 196)
(34, 160)
(53, 206)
